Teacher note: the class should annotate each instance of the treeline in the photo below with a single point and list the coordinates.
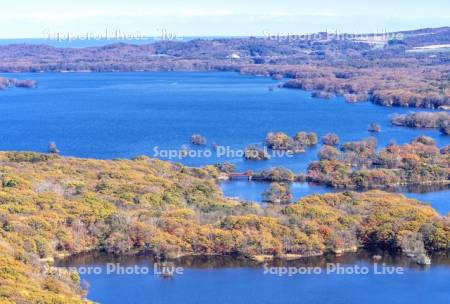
(434, 120)
(389, 76)
(416, 87)
(11, 82)
(358, 165)
(429, 36)
(279, 141)
(296, 144)
(52, 206)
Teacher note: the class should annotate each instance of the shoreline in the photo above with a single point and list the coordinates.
(282, 83)
(372, 254)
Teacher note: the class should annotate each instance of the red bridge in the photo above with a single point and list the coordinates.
(247, 174)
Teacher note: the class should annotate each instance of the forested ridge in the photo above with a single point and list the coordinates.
(392, 73)
(54, 206)
(358, 165)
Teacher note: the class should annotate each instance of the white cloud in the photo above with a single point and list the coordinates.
(205, 13)
(73, 15)
(58, 16)
(324, 14)
(49, 16)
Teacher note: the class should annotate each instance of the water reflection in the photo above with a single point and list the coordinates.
(226, 279)
(230, 261)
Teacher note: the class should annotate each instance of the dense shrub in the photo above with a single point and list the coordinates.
(330, 139)
(277, 193)
(360, 166)
(169, 210)
(255, 153)
(198, 139)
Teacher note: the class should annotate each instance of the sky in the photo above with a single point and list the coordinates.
(47, 18)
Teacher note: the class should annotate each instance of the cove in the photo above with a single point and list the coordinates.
(234, 280)
(123, 115)
(253, 191)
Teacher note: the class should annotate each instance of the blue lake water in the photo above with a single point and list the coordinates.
(222, 280)
(122, 115)
(253, 191)
(111, 115)
(439, 200)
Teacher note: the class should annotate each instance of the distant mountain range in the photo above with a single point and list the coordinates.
(412, 38)
(409, 68)
(80, 43)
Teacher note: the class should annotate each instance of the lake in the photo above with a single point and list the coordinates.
(253, 191)
(113, 115)
(122, 115)
(231, 280)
